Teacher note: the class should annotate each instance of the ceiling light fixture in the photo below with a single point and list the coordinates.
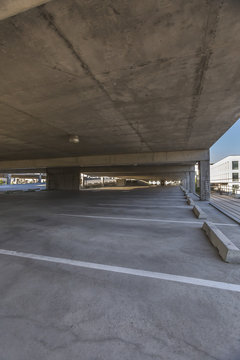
(74, 139)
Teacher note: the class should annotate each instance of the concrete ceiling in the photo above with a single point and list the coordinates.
(126, 76)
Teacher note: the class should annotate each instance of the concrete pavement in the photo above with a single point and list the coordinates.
(228, 205)
(59, 311)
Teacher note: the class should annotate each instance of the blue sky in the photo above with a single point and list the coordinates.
(228, 144)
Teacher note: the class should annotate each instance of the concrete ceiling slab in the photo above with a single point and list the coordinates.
(126, 76)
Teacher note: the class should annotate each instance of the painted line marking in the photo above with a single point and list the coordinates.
(140, 219)
(128, 271)
(145, 206)
(156, 199)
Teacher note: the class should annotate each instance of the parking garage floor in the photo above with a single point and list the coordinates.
(114, 275)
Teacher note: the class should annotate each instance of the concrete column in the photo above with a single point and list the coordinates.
(187, 181)
(40, 178)
(8, 179)
(204, 179)
(102, 181)
(65, 178)
(82, 181)
(184, 183)
(192, 181)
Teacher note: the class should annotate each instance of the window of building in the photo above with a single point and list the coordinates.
(235, 177)
(235, 165)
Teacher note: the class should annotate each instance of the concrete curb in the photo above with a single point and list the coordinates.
(190, 201)
(184, 190)
(227, 250)
(200, 214)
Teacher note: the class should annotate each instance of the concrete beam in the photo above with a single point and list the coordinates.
(10, 8)
(138, 170)
(153, 158)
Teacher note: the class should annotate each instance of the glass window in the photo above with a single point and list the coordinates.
(235, 165)
(235, 176)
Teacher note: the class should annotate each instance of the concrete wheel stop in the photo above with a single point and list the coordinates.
(190, 201)
(227, 250)
(199, 213)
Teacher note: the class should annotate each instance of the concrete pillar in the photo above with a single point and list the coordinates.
(40, 178)
(192, 181)
(184, 183)
(82, 181)
(204, 179)
(102, 181)
(65, 178)
(187, 181)
(8, 179)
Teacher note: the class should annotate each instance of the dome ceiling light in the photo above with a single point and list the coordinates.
(74, 139)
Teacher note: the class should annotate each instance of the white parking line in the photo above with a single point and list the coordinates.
(146, 206)
(140, 219)
(129, 271)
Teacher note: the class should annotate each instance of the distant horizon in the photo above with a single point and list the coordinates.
(227, 145)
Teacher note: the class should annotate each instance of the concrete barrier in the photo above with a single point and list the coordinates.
(200, 214)
(184, 190)
(190, 201)
(227, 250)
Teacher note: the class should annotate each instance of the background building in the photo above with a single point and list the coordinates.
(225, 174)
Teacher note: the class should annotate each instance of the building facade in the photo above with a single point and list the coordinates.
(225, 174)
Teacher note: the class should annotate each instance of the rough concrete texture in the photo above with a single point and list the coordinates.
(227, 250)
(229, 205)
(190, 201)
(200, 214)
(215, 217)
(204, 179)
(10, 8)
(57, 312)
(126, 77)
(173, 164)
(63, 178)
